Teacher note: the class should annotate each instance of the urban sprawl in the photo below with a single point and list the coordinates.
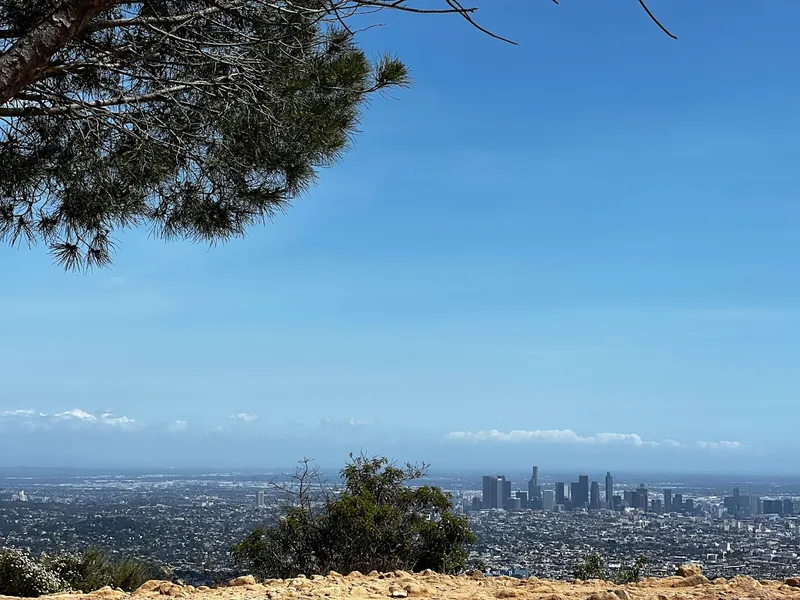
(188, 522)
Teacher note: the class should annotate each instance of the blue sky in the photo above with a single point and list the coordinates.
(579, 251)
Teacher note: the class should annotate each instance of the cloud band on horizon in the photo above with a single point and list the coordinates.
(568, 436)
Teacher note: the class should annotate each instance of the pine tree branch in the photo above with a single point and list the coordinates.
(165, 94)
(20, 64)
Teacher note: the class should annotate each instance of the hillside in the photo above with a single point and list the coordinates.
(465, 587)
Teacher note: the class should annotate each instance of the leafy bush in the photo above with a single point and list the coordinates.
(634, 573)
(593, 567)
(375, 522)
(94, 569)
(22, 575)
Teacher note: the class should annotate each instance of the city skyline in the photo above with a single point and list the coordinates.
(498, 492)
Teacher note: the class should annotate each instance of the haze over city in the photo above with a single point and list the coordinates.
(581, 252)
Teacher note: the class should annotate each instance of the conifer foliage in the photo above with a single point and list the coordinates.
(195, 118)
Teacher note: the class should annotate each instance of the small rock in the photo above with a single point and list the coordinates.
(415, 589)
(689, 570)
(150, 586)
(623, 594)
(398, 593)
(107, 593)
(692, 581)
(164, 587)
(243, 580)
(744, 581)
(603, 596)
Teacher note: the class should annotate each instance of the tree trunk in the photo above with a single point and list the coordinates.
(20, 64)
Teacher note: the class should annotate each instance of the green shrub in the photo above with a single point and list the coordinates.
(94, 569)
(634, 573)
(593, 567)
(22, 575)
(376, 522)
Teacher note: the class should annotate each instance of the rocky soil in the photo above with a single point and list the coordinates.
(688, 584)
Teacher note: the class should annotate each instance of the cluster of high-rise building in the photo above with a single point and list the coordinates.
(576, 495)
(740, 506)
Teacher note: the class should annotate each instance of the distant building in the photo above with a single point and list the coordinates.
(575, 495)
(583, 480)
(755, 505)
(489, 491)
(535, 490)
(642, 499)
(788, 507)
(667, 501)
(561, 493)
(737, 506)
(609, 490)
(497, 492)
(548, 499)
(677, 503)
(594, 498)
(505, 491)
(261, 500)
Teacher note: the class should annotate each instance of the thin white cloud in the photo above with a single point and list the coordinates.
(721, 445)
(623, 438)
(568, 436)
(110, 418)
(179, 425)
(353, 422)
(19, 412)
(32, 419)
(76, 414)
(243, 416)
